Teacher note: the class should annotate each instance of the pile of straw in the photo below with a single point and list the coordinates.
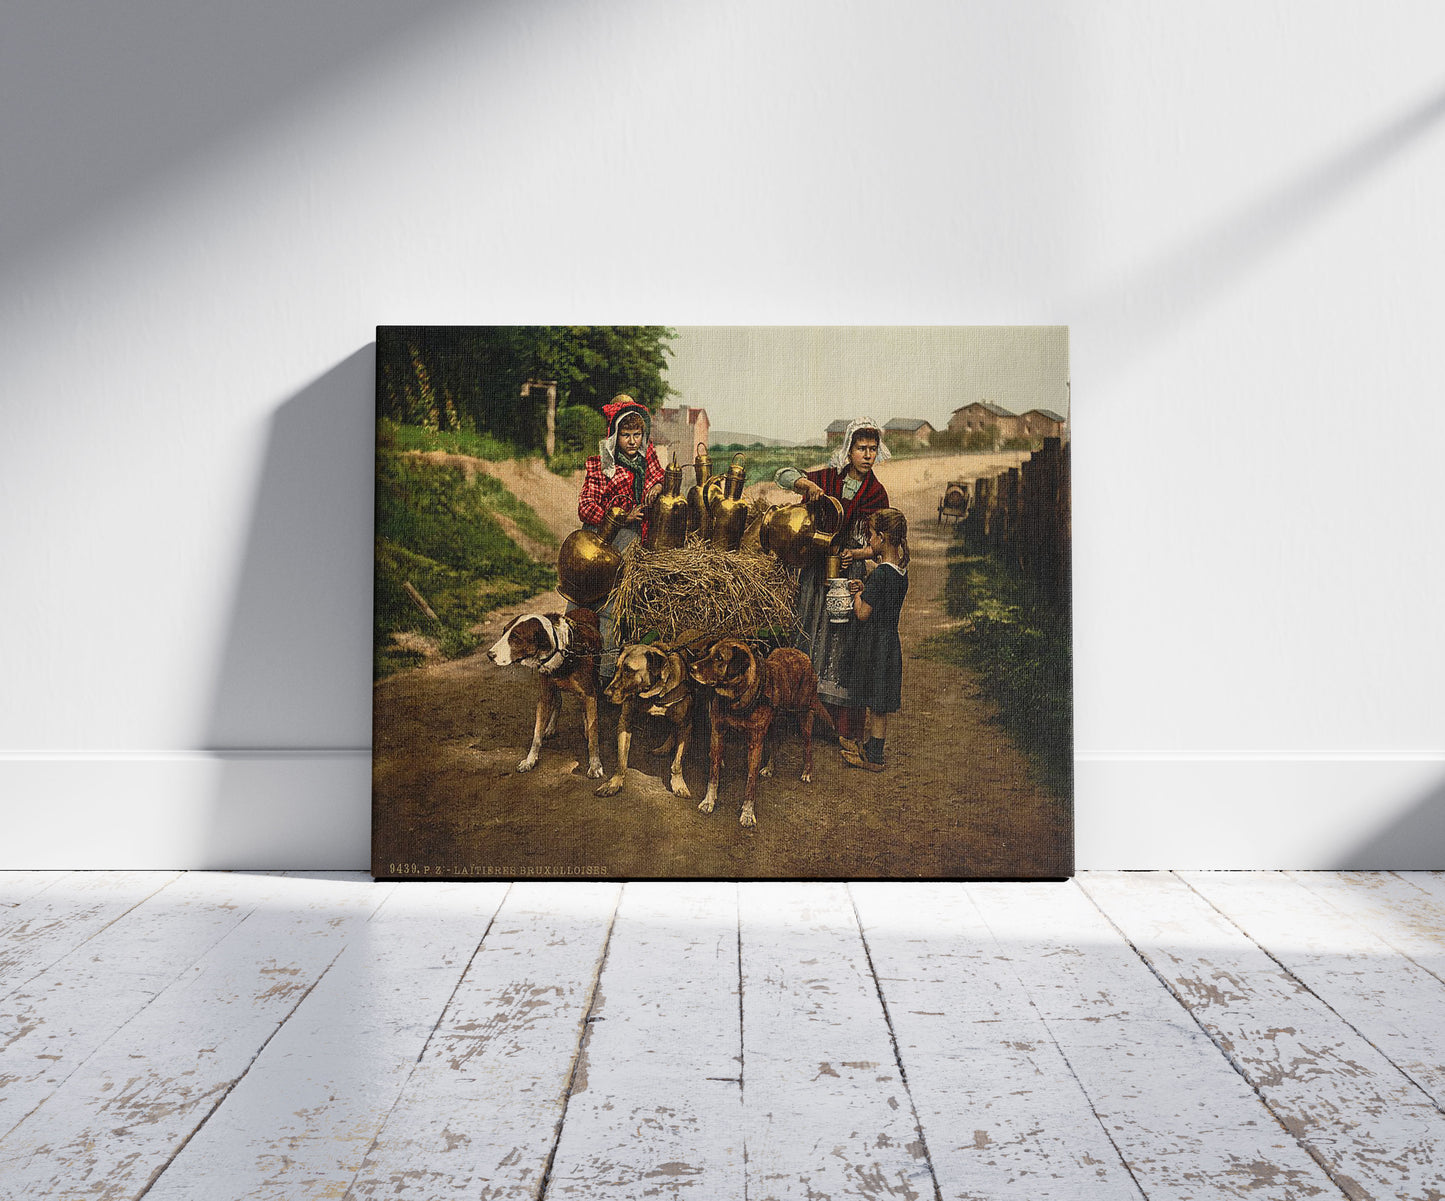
(697, 587)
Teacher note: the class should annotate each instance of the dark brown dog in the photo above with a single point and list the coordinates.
(655, 681)
(563, 652)
(747, 693)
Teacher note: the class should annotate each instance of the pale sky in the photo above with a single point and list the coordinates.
(789, 382)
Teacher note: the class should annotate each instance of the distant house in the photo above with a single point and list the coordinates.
(908, 431)
(980, 416)
(1042, 423)
(681, 429)
(833, 435)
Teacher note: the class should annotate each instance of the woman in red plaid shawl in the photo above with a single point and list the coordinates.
(848, 477)
(624, 474)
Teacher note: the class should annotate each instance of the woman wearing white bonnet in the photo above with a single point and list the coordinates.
(849, 478)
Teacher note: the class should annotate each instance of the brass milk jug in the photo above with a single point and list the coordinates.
(701, 495)
(588, 565)
(752, 542)
(730, 511)
(796, 532)
(667, 527)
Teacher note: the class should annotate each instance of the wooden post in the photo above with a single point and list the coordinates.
(1008, 536)
(419, 601)
(528, 390)
(551, 417)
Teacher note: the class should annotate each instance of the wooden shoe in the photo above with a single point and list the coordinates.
(853, 759)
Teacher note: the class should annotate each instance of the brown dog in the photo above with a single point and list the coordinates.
(747, 693)
(563, 652)
(655, 680)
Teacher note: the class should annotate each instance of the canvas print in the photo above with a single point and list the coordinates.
(722, 602)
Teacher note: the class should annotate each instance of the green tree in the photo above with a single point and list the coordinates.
(471, 377)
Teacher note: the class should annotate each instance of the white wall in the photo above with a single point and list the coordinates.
(206, 207)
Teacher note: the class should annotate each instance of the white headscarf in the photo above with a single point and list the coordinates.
(840, 456)
(607, 448)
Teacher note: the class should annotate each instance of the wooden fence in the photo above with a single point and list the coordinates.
(1022, 516)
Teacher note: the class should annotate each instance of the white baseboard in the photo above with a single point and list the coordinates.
(186, 809)
(1364, 811)
(312, 809)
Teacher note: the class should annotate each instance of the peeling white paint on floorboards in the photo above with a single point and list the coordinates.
(1002, 1115)
(480, 1114)
(1309, 1065)
(825, 1108)
(45, 926)
(656, 1106)
(121, 1116)
(301, 1121)
(1274, 1035)
(54, 1022)
(1184, 1123)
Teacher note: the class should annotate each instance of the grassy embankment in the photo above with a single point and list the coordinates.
(1022, 650)
(439, 531)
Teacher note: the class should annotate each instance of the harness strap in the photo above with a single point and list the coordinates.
(560, 635)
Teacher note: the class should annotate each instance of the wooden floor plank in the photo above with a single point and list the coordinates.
(123, 1114)
(656, 1107)
(16, 887)
(54, 1022)
(1389, 1000)
(1001, 1113)
(1404, 909)
(43, 928)
(1374, 1130)
(300, 1122)
(826, 1110)
(480, 1113)
(1186, 1124)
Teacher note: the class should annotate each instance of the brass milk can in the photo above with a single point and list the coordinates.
(752, 542)
(730, 511)
(797, 532)
(702, 494)
(667, 527)
(587, 564)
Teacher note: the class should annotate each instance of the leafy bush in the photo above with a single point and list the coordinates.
(579, 428)
(566, 462)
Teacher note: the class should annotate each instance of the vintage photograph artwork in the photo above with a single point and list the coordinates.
(722, 602)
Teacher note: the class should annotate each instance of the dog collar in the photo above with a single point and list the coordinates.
(661, 704)
(750, 697)
(560, 635)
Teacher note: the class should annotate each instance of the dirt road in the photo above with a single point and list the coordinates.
(957, 798)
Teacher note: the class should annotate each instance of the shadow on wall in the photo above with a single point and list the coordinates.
(290, 719)
(117, 97)
(1151, 303)
(1414, 842)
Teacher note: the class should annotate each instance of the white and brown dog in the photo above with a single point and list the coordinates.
(656, 681)
(563, 652)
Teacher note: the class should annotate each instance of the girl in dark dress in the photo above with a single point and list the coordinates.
(873, 662)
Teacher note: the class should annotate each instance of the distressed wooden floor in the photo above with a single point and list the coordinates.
(1154, 1035)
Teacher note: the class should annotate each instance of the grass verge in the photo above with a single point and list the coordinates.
(391, 434)
(1022, 651)
(438, 531)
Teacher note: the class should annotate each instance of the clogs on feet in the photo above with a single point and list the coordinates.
(853, 759)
